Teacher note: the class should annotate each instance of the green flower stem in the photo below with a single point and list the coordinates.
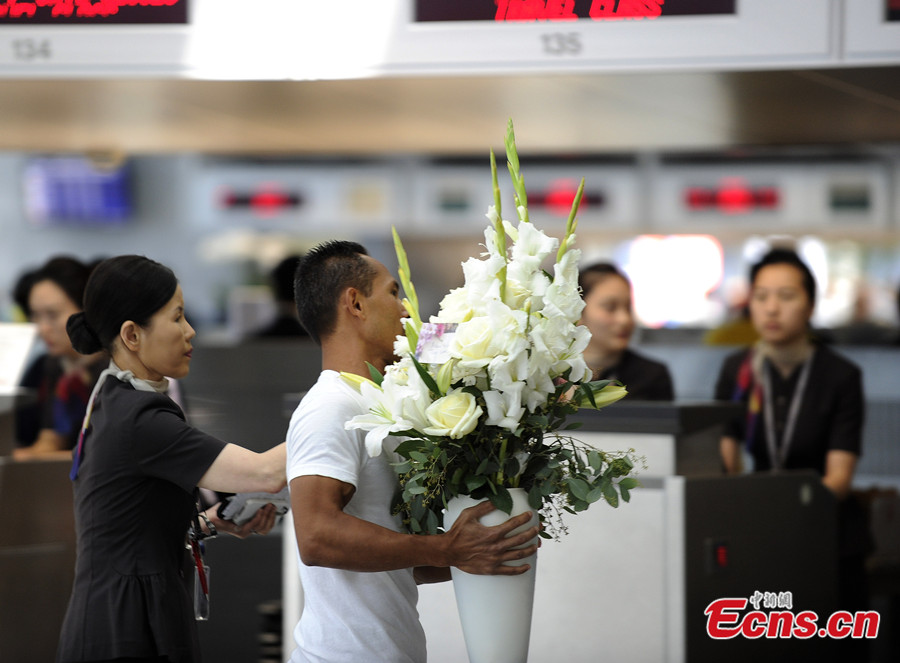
(502, 457)
(411, 302)
(572, 222)
(518, 181)
(497, 200)
(498, 227)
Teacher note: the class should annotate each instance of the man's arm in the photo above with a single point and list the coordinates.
(326, 536)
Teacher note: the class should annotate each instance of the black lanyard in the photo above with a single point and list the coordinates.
(777, 455)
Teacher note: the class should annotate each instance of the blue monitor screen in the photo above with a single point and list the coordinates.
(72, 190)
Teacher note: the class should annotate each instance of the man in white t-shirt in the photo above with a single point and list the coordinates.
(358, 568)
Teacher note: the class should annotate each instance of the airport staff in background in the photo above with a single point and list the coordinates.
(286, 323)
(803, 404)
(62, 377)
(609, 315)
(358, 567)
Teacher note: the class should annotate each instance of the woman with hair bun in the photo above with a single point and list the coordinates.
(136, 471)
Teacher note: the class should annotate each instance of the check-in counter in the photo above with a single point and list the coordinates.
(37, 549)
(632, 583)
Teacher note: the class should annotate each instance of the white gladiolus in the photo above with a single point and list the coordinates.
(505, 408)
(562, 297)
(482, 284)
(454, 307)
(532, 245)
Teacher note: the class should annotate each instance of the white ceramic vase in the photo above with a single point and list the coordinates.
(495, 611)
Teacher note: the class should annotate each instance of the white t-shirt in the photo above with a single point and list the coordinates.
(350, 616)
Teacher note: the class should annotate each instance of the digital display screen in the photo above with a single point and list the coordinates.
(565, 10)
(93, 12)
(892, 10)
(73, 191)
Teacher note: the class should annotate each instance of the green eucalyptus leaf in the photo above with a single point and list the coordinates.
(502, 500)
(609, 492)
(483, 466)
(431, 523)
(594, 495)
(474, 482)
(535, 497)
(406, 446)
(458, 475)
(579, 488)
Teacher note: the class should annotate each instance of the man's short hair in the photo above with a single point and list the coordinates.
(322, 276)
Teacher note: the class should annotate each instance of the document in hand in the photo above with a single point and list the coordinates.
(242, 507)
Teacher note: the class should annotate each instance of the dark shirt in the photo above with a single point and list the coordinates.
(645, 379)
(61, 399)
(134, 499)
(830, 414)
(28, 417)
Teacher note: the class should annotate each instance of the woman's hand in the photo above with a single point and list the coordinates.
(261, 523)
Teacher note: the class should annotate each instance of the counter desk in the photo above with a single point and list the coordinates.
(37, 548)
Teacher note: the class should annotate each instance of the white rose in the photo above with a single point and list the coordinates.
(455, 415)
(472, 342)
(481, 339)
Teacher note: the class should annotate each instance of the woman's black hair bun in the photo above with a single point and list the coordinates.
(84, 339)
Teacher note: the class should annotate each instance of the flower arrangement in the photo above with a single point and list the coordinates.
(481, 393)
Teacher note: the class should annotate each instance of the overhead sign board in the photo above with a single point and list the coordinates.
(286, 39)
(529, 35)
(565, 10)
(98, 12)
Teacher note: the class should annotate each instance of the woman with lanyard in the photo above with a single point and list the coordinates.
(136, 470)
(804, 404)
